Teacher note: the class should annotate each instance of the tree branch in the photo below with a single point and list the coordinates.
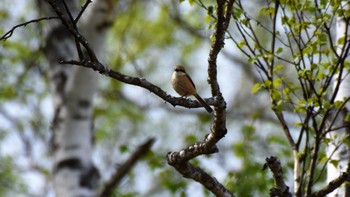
(70, 27)
(97, 66)
(141, 82)
(125, 168)
(179, 160)
(331, 186)
(281, 189)
(197, 174)
(9, 33)
(218, 129)
(82, 11)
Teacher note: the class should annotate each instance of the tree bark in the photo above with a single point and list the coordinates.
(72, 89)
(337, 150)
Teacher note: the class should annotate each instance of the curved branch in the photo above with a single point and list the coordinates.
(218, 130)
(179, 160)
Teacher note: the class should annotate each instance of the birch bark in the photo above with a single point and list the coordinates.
(72, 89)
(337, 150)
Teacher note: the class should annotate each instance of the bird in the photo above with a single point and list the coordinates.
(184, 86)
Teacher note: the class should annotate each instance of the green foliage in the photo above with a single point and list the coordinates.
(295, 73)
(191, 139)
(175, 184)
(297, 67)
(9, 181)
(117, 193)
(154, 160)
(249, 179)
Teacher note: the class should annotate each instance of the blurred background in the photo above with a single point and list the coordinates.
(146, 39)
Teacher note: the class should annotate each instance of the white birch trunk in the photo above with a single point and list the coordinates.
(296, 172)
(336, 149)
(74, 173)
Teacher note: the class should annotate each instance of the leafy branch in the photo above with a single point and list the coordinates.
(301, 43)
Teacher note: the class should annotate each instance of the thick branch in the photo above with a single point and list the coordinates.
(222, 23)
(336, 183)
(281, 189)
(186, 154)
(219, 126)
(197, 174)
(179, 160)
(218, 129)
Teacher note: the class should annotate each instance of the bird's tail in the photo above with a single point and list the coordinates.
(204, 104)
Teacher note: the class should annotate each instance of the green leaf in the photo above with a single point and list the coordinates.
(212, 37)
(278, 68)
(345, 139)
(323, 160)
(314, 66)
(208, 19)
(279, 50)
(287, 91)
(341, 40)
(326, 140)
(298, 124)
(123, 148)
(248, 129)
(320, 76)
(252, 60)
(322, 39)
(334, 162)
(241, 44)
(267, 11)
(323, 3)
(277, 82)
(301, 106)
(338, 104)
(191, 139)
(257, 87)
(275, 95)
(326, 104)
(347, 118)
(237, 12)
(267, 83)
(279, 106)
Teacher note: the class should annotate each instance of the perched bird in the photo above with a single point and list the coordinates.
(184, 86)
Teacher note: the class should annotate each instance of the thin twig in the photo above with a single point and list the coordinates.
(73, 31)
(82, 11)
(9, 33)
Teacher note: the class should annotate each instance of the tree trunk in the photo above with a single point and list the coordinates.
(337, 150)
(72, 89)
